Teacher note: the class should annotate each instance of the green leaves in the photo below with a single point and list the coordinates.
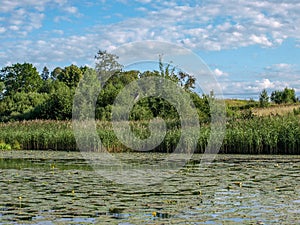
(263, 98)
(70, 75)
(286, 96)
(20, 78)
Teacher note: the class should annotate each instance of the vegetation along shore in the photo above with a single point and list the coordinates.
(36, 111)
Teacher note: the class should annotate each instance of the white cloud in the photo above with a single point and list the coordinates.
(191, 24)
(59, 32)
(262, 40)
(22, 17)
(280, 68)
(253, 88)
(283, 66)
(14, 28)
(220, 73)
(283, 72)
(71, 9)
(144, 1)
(2, 30)
(195, 25)
(265, 84)
(58, 19)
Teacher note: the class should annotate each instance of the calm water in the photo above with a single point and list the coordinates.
(61, 188)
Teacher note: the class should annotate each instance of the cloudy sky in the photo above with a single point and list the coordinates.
(248, 44)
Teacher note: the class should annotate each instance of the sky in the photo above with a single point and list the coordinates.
(248, 44)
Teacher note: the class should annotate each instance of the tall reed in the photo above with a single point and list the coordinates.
(259, 135)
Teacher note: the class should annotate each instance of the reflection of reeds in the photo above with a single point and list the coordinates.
(260, 135)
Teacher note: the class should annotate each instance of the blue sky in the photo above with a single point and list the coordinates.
(249, 45)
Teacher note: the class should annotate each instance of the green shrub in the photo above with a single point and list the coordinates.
(4, 146)
(16, 145)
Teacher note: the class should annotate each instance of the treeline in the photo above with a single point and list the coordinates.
(26, 95)
(287, 95)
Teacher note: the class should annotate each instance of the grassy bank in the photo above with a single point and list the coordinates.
(259, 135)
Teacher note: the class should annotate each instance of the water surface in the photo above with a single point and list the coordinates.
(44, 187)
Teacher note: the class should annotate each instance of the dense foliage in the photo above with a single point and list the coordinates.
(46, 101)
(27, 95)
(287, 95)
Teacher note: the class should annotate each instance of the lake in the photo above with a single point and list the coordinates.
(46, 187)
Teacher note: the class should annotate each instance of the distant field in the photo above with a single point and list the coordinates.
(275, 110)
(272, 109)
(236, 102)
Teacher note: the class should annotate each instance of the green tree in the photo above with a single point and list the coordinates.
(2, 88)
(21, 105)
(276, 97)
(70, 75)
(286, 96)
(45, 73)
(289, 95)
(183, 79)
(55, 73)
(263, 98)
(59, 104)
(20, 78)
(106, 65)
(86, 95)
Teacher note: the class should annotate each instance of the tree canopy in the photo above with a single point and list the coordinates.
(287, 95)
(26, 94)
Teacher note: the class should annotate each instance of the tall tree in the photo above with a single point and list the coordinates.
(169, 72)
(276, 97)
(264, 98)
(2, 88)
(106, 65)
(55, 73)
(286, 96)
(289, 95)
(45, 73)
(70, 75)
(59, 103)
(20, 78)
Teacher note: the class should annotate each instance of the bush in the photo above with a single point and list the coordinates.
(16, 145)
(4, 146)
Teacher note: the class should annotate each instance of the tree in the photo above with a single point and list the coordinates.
(276, 97)
(20, 78)
(2, 88)
(45, 73)
(286, 96)
(86, 95)
(106, 65)
(55, 73)
(263, 98)
(70, 75)
(59, 104)
(183, 79)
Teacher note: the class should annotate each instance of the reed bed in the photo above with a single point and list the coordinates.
(259, 135)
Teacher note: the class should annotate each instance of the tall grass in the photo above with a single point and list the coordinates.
(259, 135)
(263, 135)
(39, 134)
